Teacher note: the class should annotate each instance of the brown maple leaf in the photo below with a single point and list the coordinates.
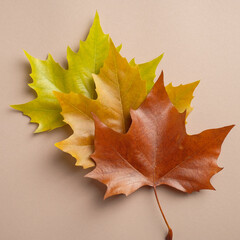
(156, 150)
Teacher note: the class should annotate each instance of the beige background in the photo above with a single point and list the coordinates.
(42, 194)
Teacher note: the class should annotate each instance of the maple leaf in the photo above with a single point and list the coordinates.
(49, 76)
(119, 88)
(156, 150)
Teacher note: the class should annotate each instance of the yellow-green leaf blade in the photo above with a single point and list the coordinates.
(49, 76)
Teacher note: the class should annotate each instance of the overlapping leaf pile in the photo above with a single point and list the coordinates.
(133, 130)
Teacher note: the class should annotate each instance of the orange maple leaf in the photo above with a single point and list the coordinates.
(156, 150)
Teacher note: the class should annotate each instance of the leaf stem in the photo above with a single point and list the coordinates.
(170, 232)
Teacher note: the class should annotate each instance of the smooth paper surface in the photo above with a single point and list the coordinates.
(43, 195)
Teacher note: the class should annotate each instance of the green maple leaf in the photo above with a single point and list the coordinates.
(49, 76)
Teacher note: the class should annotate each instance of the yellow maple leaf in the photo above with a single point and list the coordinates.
(119, 88)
